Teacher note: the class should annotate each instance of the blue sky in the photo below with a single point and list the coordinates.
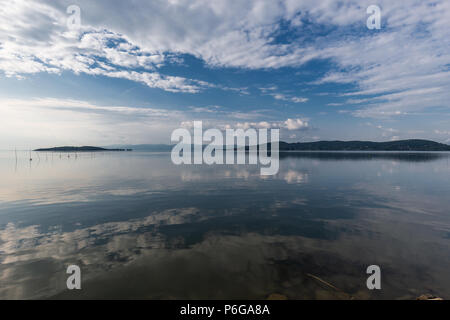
(134, 71)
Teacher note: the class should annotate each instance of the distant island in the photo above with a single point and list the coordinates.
(79, 149)
(399, 145)
(144, 147)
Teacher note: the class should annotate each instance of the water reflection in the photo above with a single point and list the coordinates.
(140, 227)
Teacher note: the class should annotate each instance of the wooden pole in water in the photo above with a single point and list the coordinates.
(15, 153)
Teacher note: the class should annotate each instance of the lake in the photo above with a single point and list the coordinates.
(141, 227)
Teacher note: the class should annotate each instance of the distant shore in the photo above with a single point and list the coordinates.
(398, 145)
(79, 149)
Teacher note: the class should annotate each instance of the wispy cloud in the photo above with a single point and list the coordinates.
(39, 122)
(34, 38)
(285, 97)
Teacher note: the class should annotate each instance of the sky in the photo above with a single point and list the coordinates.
(130, 72)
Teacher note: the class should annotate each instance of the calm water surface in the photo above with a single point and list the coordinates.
(141, 227)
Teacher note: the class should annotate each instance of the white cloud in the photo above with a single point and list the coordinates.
(299, 99)
(284, 97)
(442, 132)
(296, 124)
(33, 38)
(335, 104)
(289, 124)
(209, 109)
(410, 52)
(402, 69)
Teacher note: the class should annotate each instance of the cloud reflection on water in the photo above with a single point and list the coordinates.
(152, 230)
